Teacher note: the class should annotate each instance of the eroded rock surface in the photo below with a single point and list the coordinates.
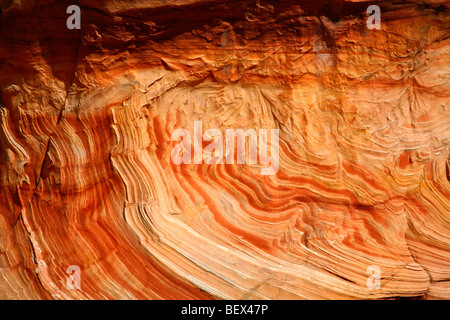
(86, 176)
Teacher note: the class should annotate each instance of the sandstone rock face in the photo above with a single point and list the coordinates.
(362, 194)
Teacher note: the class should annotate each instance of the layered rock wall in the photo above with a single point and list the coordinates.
(86, 176)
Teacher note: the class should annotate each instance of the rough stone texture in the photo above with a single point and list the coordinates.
(86, 176)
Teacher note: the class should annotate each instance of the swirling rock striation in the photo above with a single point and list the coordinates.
(86, 176)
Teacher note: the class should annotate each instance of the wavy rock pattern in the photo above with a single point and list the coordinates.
(86, 176)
